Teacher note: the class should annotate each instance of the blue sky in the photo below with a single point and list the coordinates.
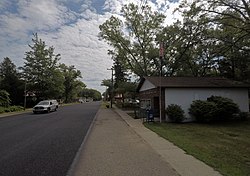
(71, 26)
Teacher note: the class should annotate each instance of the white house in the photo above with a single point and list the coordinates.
(184, 90)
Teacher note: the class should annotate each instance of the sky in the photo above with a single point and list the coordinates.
(71, 27)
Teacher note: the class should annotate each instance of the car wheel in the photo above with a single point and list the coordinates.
(48, 110)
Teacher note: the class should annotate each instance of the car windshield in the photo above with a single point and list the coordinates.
(43, 103)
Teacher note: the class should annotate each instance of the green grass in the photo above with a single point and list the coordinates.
(104, 104)
(225, 147)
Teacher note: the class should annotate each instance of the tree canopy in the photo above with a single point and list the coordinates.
(212, 38)
(41, 70)
(72, 85)
(10, 81)
(134, 39)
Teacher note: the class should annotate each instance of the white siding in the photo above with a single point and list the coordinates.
(185, 96)
(147, 86)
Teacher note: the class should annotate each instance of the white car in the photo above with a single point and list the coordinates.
(45, 106)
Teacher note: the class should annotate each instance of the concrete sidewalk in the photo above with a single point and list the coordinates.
(120, 145)
(184, 164)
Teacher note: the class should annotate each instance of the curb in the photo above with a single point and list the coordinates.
(14, 113)
(77, 156)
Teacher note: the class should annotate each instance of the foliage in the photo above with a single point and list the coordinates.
(41, 70)
(91, 93)
(244, 115)
(215, 144)
(10, 109)
(126, 89)
(120, 75)
(10, 81)
(225, 107)
(72, 86)
(212, 38)
(175, 113)
(109, 87)
(216, 108)
(203, 111)
(4, 98)
(226, 34)
(135, 48)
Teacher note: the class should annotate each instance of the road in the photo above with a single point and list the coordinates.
(43, 144)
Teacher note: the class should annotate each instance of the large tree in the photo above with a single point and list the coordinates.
(230, 22)
(10, 81)
(72, 84)
(91, 93)
(133, 38)
(188, 47)
(41, 70)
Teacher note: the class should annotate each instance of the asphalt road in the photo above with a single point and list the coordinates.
(43, 144)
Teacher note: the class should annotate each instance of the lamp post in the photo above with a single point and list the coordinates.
(112, 86)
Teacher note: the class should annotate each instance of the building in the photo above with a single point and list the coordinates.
(184, 90)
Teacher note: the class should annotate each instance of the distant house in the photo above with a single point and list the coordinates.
(184, 90)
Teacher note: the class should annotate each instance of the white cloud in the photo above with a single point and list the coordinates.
(73, 34)
(79, 45)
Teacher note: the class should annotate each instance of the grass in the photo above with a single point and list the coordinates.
(225, 147)
(104, 104)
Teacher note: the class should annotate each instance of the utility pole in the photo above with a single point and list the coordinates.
(161, 54)
(25, 93)
(112, 86)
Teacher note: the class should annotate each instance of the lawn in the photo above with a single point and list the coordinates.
(225, 147)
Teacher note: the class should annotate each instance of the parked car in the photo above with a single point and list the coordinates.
(46, 106)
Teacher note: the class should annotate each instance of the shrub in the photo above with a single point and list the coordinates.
(243, 115)
(1, 109)
(15, 108)
(4, 98)
(11, 109)
(175, 113)
(203, 111)
(225, 107)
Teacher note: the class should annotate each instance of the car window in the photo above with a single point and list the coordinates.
(43, 103)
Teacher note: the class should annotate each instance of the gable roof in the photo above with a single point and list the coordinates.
(193, 82)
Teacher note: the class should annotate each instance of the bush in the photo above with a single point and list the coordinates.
(175, 113)
(1, 109)
(216, 108)
(11, 109)
(4, 98)
(203, 111)
(243, 115)
(15, 108)
(226, 108)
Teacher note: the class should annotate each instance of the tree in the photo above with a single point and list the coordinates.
(120, 75)
(109, 87)
(71, 83)
(4, 98)
(127, 89)
(10, 81)
(229, 22)
(134, 39)
(41, 70)
(91, 93)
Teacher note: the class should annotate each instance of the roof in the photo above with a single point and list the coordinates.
(193, 82)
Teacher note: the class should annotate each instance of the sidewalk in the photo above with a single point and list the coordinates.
(184, 164)
(120, 145)
(115, 149)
